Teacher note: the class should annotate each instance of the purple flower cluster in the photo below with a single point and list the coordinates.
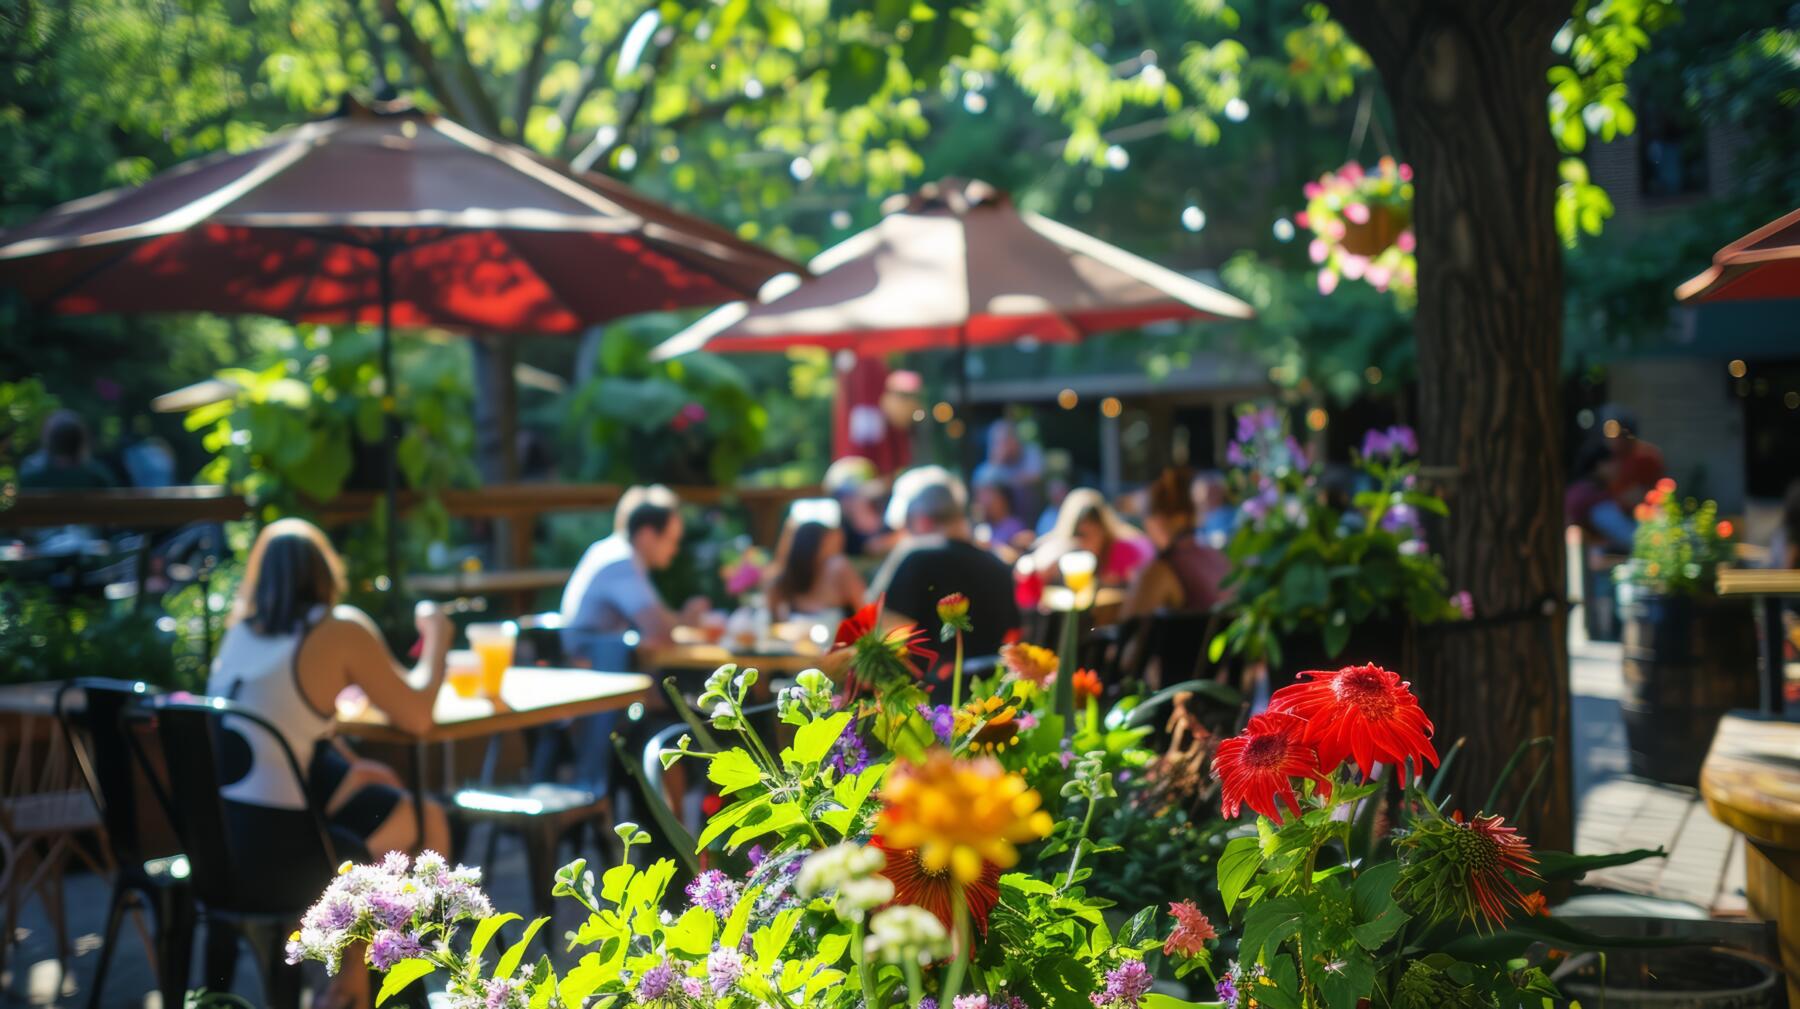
(724, 966)
(942, 721)
(714, 891)
(656, 984)
(1395, 441)
(1126, 985)
(1400, 518)
(1226, 990)
(848, 755)
(394, 907)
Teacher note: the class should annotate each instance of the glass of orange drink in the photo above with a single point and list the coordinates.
(463, 671)
(493, 643)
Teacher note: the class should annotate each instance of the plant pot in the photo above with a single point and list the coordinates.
(1688, 660)
(1381, 230)
(1678, 978)
(1383, 641)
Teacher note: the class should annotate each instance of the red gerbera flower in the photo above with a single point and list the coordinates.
(1365, 712)
(1086, 684)
(934, 891)
(1256, 767)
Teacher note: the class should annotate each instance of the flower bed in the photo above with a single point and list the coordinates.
(965, 865)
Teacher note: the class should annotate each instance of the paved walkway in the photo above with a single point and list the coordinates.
(1705, 867)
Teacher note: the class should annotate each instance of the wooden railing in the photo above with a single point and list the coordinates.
(518, 504)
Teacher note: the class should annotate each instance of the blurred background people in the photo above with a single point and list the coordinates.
(1086, 522)
(1591, 502)
(1001, 529)
(811, 579)
(1012, 462)
(856, 486)
(64, 459)
(1185, 574)
(936, 559)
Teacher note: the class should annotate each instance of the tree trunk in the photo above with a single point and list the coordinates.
(1466, 79)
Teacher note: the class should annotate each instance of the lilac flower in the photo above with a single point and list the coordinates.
(1028, 721)
(1296, 453)
(1226, 989)
(756, 854)
(971, 1002)
(1376, 444)
(724, 966)
(1400, 518)
(927, 1002)
(1404, 440)
(1015, 1002)
(714, 891)
(655, 983)
(1126, 984)
(1234, 454)
(502, 994)
(693, 988)
(848, 755)
(942, 720)
(1464, 603)
(389, 947)
(393, 910)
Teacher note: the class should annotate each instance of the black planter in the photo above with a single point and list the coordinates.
(1384, 641)
(1688, 660)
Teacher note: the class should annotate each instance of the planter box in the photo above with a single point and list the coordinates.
(1687, 661)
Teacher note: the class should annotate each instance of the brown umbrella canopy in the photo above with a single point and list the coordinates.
(956, 264)
(1762, 264)
(479, 235)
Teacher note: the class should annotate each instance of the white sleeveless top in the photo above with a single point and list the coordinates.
(261, 673)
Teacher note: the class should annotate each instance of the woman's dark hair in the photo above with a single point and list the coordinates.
(65, 436)
(1172, 496)
(801, 567)
(291, 570)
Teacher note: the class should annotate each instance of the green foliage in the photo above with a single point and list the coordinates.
(1304, 563)
(23, 406)
(46, 635)
(690, 420)
(1678, 545)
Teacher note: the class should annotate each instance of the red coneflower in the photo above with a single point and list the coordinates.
(1452, 868)
(880, 655)
(1365, 712)
(934, 891)
(1256, 767)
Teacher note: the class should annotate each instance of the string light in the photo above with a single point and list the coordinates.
(943, 412)
(1373, 374)
(1067, 399)
(1738, 369)
(1316, 418)
(1111, 407)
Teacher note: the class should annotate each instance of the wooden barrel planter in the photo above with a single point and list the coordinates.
(1382, 229)
(1688, 660)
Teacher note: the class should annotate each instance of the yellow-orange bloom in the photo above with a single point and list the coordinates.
(961, 813)
(1029, 663)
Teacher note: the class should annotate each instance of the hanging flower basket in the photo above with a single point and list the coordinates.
(1361, 220)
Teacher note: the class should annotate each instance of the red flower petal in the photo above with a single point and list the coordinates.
(1364, 713)
(1256, 767)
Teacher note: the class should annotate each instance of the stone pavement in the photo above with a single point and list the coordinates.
(1615, 812)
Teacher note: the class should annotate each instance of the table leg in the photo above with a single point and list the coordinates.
(1771, 643)
(418, 781)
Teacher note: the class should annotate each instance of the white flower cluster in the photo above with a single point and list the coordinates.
(852, 871)
(907, 933)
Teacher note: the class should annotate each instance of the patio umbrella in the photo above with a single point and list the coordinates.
(1764, 264)
(381, 215)
(956, 265)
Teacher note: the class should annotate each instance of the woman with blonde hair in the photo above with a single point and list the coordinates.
(1086, 522)
(290, 650)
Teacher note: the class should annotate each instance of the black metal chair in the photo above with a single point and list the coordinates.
(147, 879)
(242, 892)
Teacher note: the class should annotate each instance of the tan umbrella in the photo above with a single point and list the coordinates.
(957, 265)
(1764, 264)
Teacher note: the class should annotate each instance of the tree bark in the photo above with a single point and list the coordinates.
(1466, 80)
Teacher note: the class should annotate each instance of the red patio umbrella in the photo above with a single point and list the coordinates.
(1763, 264)
(387, 216)
(956, 265)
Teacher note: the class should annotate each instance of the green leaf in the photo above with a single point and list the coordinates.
(1239, 862)
(733, 771)
(1372, 897)
(1157, 1000)
(775, 817)
(510, 961)
(1267, 923)
(1557, 932)
(814, 740)
(855, 76)
(692, 933)
(400, 975)
(484, 932)
(1560, 865)
(727, 818)
(584, 979)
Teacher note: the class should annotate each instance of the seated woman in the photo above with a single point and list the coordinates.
(288, 654)
(1086, 522)
(811, 578)
(1185, 575)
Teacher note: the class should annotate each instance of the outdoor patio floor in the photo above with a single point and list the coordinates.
(1705, 867)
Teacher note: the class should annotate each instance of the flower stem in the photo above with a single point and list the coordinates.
(915, 985)
(1087, 820)
(864, 972)
(956, 677)
(963, 939)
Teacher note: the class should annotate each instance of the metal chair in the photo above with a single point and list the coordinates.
(146, 877)
(237, 887)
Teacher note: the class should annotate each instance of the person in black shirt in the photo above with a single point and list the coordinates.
(937, 559)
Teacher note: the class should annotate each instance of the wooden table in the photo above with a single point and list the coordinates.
(529, 696)
(1751, 783)
(1767, 587)
(696, 656)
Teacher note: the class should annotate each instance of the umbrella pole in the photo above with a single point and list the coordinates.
(390, 431)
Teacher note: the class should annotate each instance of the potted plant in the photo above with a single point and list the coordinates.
(1361, 223)
(1689, 655)
(1314, 578)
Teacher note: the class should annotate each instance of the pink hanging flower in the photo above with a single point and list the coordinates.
(1328, 281)
(1379, 277)
(1406, 242)
(1353, 265)
(1358, 213)
(1313, 190)
(1317, 250)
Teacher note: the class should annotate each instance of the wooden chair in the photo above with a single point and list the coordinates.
(46, 816)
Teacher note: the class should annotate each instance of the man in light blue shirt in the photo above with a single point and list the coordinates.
(610, 608)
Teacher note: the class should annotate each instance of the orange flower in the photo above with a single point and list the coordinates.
(1192, 930)
(1666, 485)
(1029, 663)
(1725, 529)
(1087, 685)
(961, 815)
(934, 889)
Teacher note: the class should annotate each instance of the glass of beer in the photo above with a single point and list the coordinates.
(494, 644)
(1077, 568)
(463, 671)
